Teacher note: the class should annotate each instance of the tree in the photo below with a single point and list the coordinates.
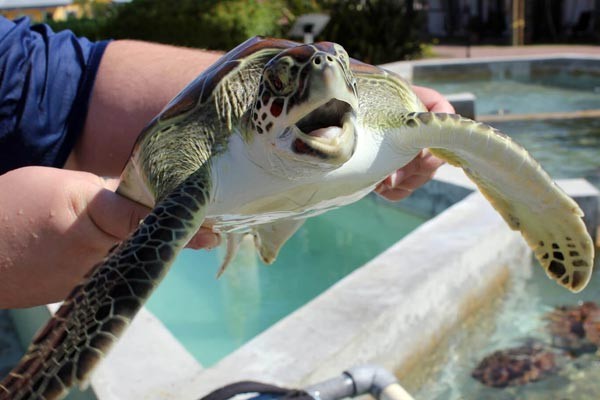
(375, 31)
(207, 24)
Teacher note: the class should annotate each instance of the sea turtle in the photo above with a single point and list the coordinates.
(575, 329)
(517, 366)
(273, 133)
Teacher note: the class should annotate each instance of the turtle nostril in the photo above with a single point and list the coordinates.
(330, 59)
(317, 60)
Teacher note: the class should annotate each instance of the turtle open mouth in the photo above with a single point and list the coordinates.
(325, 121)
(327, 131)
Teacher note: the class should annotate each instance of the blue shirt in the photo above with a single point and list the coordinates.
(46, 80)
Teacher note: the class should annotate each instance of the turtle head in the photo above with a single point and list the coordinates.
(306, 105)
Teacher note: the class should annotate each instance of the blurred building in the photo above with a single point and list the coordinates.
(49, 10)
(516, 21)
(40, 10)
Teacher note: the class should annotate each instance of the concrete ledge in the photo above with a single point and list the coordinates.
(147, 363)
(463, 103)
(451, 185)
(388, 311)
(513, 66)
(27, 322)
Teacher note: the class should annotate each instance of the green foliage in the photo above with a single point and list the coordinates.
(232, 22)
(91, 28)
(299, 7)
(196, 23)
(375, 31)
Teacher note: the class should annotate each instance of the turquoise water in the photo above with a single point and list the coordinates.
(214, 317)
(509, 96)
(516, 316)
(567, 148)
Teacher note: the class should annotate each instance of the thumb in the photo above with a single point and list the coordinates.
(118, 216)
(114, 214)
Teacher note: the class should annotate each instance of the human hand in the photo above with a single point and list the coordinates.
(57, 224)
(420, 170)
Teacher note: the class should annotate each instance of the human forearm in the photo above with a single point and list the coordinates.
(134, 82)
(56, 225)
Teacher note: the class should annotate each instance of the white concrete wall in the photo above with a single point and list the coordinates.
(147, 363)
(386, 312)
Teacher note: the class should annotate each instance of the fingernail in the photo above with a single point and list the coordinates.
(396, 178)
(213, 240)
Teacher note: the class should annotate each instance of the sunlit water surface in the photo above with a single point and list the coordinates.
(214, 317)
(568, 148)
(515, 316)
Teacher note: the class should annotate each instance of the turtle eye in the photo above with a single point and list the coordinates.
(277, 84)
(274, 82)
(278, 77)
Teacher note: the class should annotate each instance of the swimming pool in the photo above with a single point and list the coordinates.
(518, 96)
(214, 317)
(567, 147)
(211, 317)
(513, 317)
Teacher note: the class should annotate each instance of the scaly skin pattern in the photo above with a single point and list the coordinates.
(518, 188)
(98, 310)
(270, 135)
(506, 174)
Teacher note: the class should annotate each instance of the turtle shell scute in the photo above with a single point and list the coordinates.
(202, 88)
(575, 329)
(516, 366)
(360, 67)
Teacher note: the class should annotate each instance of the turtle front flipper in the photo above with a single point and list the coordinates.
(269, 238)
(97, 311)
(514, 183)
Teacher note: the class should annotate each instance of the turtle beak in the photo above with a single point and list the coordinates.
(326, 130)
(329, 78)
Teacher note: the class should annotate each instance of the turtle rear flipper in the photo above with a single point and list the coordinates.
(515, 184)
(97, 311)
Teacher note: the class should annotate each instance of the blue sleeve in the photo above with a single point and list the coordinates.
(46, 80)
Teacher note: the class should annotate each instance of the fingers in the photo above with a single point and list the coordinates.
(413, 175)
(433, 100)
(393, 194)
(118, 217)
(114, 214)
(424, 164)
(204, 239)
(416, 173)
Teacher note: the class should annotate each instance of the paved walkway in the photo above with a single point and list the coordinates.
(503, 51)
